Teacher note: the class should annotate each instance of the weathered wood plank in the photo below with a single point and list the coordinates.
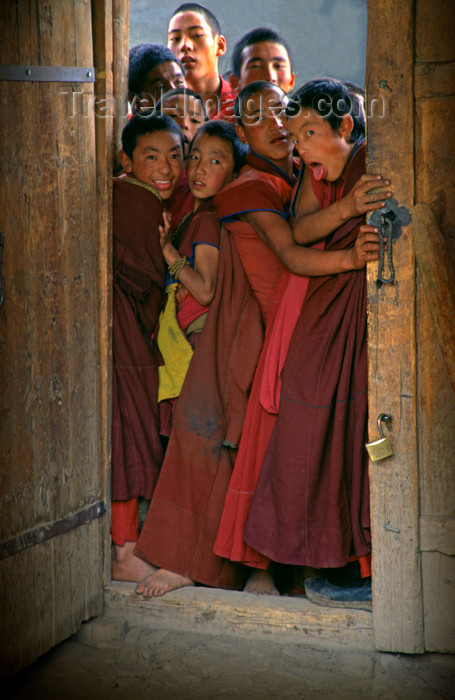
(217, 611)
(435, 38)
(103, 39)
(434, 79)
(33, 620)
(437, 534)
(436, 419)
(77, 565)
(49, 351)
(397, 599)
(435, 274)
(435, 163)
(439, 601)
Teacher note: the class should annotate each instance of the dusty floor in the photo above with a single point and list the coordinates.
(217, 651)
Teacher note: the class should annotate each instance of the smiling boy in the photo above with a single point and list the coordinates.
(152, 157)
(194, 35)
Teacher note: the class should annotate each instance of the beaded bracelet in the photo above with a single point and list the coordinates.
(177, 266)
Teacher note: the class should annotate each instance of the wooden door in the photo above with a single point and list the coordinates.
(54, 321)
(410, 133)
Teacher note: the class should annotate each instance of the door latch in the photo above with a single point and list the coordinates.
(389, 221)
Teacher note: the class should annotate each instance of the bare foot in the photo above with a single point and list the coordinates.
(126, 566)
(261, 582)
(161, 582)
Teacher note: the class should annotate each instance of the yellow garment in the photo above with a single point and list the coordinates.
(175, 350)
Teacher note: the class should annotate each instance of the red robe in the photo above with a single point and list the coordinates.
(201, 227)
(182, 522)
(311, 505)
(260, 186)
(139, 275)
(184, 512)
(260, 418)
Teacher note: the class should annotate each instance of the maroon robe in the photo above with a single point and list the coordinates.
(203, 226)
(184, 515)
(311, 505)
(184, 512)
(260, 186)
(139, 274)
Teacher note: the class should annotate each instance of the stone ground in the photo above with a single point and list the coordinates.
(204, 645)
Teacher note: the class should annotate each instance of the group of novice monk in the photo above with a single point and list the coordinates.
(239, 332)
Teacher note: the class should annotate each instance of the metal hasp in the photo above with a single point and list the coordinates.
(48, 74)
(389, 221)
(2, 279)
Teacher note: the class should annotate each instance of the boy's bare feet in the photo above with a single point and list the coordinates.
(261, 582)
(126, 566)
(160, 582)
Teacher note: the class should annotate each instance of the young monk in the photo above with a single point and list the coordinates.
(283, 304)
(182, 533)
(152, 157)
(209, 412)
(192, 253)
(311, 505)
(186, 108)
(261, 54)
(194, 35)
(152, 70)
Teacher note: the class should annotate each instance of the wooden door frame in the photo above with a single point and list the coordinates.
(397, 617)
(397, 584)
(110, 26)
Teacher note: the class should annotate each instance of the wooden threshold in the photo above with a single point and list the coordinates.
(216, 611)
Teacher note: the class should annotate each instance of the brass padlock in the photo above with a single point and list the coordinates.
(380, 449)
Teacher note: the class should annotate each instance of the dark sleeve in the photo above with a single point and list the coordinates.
(138, 260)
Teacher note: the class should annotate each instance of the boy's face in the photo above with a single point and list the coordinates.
(187, 111)
(166, 76)
(210, 166)
(157, 160)
(322, 149)
(264, 126)
(265, 61)
(190, 38)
